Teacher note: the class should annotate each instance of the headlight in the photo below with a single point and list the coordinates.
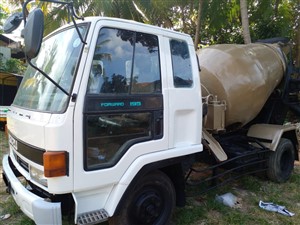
(38, 176)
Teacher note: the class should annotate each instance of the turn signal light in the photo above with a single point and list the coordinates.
(55, 164)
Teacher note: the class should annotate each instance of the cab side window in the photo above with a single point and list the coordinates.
(181, 64)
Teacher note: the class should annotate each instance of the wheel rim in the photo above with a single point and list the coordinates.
(148, 207)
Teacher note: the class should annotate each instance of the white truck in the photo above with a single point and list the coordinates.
(110, 112)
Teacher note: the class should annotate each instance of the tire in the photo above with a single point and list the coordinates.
(150, 201)
(281, 162)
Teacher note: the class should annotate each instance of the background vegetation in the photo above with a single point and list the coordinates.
(207, 21)
(12, 65)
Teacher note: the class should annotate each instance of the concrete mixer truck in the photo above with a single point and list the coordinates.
(248, 91)
(111, 114)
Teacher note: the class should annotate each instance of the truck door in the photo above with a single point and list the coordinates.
(184, 91)
(124, 104)
(122, 107)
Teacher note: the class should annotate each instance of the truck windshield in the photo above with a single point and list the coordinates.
(58, 58)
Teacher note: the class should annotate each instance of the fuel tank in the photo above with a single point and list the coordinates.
(241, 76)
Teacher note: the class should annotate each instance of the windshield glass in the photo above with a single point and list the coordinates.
(58, 58)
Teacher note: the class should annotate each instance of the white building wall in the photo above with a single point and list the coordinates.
(5, 53)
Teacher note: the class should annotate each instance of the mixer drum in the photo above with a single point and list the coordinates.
(244, 76)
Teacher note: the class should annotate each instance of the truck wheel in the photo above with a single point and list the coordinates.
(281, 162)
(150, 201)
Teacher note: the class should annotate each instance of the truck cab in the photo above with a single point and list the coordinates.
(107, 141)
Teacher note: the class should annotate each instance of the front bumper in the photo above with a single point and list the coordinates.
(35, 207)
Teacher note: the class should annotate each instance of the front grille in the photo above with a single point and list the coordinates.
(21, 162)
(29, 152)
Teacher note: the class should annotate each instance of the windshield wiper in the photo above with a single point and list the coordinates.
(49, 78)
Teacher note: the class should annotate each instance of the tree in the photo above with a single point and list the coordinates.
(199, 14)
(297, 30)
(297, 60)
(266, 18)
(221, 27)
(245, 21)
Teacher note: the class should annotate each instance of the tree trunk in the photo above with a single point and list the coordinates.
(245, 21)
(297, 61)
(297, 36)
(276, 6)
(197, 35)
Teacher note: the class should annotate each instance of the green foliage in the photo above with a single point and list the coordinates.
(15, 66)
(12, 66)
(220, 20)
(2, 16)
(2, 64)
(268, 22)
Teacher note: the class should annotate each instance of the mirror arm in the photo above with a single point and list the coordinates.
(76, 27)
(70, 9)
(24, 9)
(49, 78)
(73, 14)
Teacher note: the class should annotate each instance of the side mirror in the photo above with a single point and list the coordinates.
(12, 22)
(33, 33)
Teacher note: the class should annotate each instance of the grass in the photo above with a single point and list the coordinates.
(7, 204)
(202, 209)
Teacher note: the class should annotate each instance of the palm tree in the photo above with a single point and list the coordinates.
(155, 12)
(113, 8)
(57, 16)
